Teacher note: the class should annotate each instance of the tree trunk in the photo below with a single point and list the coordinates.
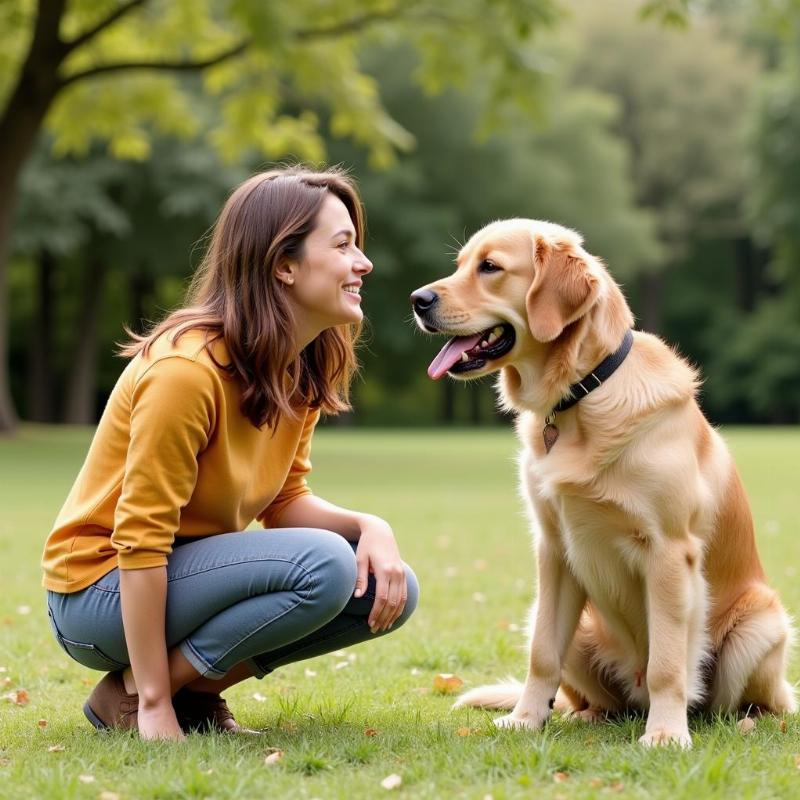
(20, 123)
(80, 409)
(41, 383)
(448, 407)
(652, 297)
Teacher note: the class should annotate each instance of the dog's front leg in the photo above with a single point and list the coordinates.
(558, 607)
(675, 598)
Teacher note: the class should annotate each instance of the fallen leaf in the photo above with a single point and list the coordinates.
(339, 653)
(421, 690)
(596, 783)
(560, 777)
(617, 786)
(106, 795)
(3, 669)
(782, 726)
(351, 657)
(416, 671)
(392, 781)
(56, 748)
(7, 681)
(19, 697)
(797, 761)
(209, 771)
(341, 665)
(371, 732)
(42, 723)
(310, 673)
(23, 610)
(447, 683)
(464, 732)
(479, 597)
(86, 778)
(259, 698)
(480, 565)
(274, 757)
(87, 682)
(746, 725)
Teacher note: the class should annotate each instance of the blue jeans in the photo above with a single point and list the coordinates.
(263, 597)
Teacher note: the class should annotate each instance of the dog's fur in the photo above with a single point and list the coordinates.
(651, 594)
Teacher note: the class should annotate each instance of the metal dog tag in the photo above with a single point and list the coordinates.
(549, 432)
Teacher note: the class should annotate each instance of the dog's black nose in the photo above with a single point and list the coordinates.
(423, 300)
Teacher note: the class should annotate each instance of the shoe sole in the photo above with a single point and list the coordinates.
(93, 718)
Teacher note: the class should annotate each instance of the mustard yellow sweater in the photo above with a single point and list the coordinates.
(173, 456)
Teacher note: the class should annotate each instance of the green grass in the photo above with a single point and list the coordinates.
(452, 499)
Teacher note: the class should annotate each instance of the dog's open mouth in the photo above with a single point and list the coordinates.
(467, 353)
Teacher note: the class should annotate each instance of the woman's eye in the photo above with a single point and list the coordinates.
(343, 245)
(487, 266)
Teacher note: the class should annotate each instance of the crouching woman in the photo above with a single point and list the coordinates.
(149, 571)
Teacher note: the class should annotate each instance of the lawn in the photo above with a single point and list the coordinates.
(347, 721)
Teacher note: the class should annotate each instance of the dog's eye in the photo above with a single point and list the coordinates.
(488, 267)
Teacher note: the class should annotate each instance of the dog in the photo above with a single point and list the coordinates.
(651, 594)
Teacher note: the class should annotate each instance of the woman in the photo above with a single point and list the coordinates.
(148, 571)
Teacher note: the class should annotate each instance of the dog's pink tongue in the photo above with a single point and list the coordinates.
(451, 353)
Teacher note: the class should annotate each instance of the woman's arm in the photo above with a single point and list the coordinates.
(143, 593)
(377, 552)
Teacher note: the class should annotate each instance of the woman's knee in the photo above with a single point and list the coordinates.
(334, 568)
(412, 597)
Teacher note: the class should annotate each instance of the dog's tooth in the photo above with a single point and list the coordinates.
(464, 357)
(493, 337)
(485, 342)
(498, 331)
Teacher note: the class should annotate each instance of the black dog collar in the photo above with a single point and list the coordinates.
(601, 373)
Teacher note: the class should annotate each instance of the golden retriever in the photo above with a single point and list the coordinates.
(650, 594)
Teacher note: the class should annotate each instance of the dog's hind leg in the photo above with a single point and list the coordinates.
(751, 661)
(591, 696)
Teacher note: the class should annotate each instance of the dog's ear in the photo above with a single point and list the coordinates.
(562, 291)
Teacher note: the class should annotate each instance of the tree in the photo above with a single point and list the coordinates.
(114, 71)
(682, 94)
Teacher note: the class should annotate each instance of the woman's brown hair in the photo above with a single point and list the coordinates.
(235, 296)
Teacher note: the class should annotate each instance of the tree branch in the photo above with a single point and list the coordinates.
(346, 26)
(161, 66)
(90, 33)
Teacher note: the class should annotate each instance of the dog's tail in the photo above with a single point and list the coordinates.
(499, 695)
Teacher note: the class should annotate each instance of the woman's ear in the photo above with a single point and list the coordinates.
(562, 291)
(285, 272)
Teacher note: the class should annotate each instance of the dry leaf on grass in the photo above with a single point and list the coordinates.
(392, 781)
(479, 597)
(3, 669)
(56, 748)
(19, 697)
(106, 795)
(465, 731)
(42, 723)
(259, 698)
(310, 673)
(782, 726)
(797, 761)
(447, 683)
(23, 610)
(560, 777)
(746, 725)
(371, 732)
(86, 778)
(596, 783)
(274, 755)
(341, 665)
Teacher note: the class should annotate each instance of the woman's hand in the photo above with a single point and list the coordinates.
(377, 553)
(158, 721)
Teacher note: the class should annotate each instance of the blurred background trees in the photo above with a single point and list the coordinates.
(669, 138)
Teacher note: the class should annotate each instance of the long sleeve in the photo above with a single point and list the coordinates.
(296, 484)
(172, 417)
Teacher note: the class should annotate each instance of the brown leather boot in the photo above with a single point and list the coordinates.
(110, 706)
(204, 712)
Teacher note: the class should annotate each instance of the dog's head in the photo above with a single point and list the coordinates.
(518, 284)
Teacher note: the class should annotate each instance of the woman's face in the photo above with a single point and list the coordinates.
(325, 283)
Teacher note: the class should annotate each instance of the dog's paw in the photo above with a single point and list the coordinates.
(520, 721)
(589, 715)
(664, 737)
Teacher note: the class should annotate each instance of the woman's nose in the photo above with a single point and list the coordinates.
(363, 264)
